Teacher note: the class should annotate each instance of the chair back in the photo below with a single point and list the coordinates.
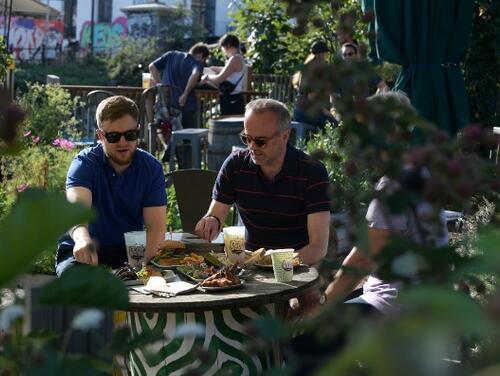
(193, 189)
(92, 100)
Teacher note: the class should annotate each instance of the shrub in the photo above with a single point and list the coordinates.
(92, 71)
(125, 67)
(50, 112)
(324, 145)
(36, 166)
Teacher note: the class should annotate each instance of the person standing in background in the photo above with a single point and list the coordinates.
(181, 71)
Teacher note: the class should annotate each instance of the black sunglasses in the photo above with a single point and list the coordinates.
(114, 137)
(260, 141)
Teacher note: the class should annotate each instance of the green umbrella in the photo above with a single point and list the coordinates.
(428, 38)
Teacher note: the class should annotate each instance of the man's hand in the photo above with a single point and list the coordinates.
(304, 306)
(85, 252)
(182, 100)
(207, 228)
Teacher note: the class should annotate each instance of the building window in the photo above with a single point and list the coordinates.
(104, 11)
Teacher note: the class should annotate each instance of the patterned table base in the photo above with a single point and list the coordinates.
(224, 339)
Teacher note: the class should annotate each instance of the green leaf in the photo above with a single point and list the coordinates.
(86, 286)
(34, 224)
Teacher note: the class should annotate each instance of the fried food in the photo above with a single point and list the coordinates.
(222, 278)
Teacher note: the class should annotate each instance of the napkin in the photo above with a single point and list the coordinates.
(158, 286)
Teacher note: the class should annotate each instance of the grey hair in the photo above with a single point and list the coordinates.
(278, 108)
(398, 95)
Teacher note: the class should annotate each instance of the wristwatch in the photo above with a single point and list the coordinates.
(323, 299)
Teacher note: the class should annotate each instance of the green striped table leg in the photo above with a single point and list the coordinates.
(224, 339)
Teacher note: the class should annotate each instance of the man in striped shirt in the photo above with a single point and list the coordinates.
(280, 192)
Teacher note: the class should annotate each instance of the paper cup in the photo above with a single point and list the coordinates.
(282, 264)
(135, 241)
(234, 243)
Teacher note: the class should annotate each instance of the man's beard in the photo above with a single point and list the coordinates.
(119, 161)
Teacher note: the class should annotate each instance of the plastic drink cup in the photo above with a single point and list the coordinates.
(135, 241)
(146, 80)
(234, 243)
(282, 264)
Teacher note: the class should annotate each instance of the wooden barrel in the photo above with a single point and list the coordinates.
(223, 134)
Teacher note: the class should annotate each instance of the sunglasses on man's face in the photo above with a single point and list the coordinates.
(348, 54)
(259, 141)
(114, 137)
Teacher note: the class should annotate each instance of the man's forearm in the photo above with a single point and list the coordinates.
(155, 74)
(312, 253)
(154, 236)
(355, 267)
(193, 80)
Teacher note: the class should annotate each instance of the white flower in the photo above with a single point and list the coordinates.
(9, 315)
(87, 319)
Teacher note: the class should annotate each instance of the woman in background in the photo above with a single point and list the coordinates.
(234, 72)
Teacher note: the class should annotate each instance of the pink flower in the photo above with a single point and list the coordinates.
(22, 187)
(26, 134)
(63, 144)
(35, 139)
(67, 145)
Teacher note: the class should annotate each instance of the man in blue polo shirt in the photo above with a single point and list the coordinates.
(123, 184)
(181, 71)
(280, 192)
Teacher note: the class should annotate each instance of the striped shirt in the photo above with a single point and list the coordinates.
(274, 212)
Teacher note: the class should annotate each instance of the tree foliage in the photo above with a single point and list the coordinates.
(482, 63)
(279, 34)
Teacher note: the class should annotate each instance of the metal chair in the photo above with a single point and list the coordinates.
(300, 131)
(195, 136)
(92, 100)
(193, 190)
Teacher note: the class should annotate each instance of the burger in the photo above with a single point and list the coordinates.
(172, 246)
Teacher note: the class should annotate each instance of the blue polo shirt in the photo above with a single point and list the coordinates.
(274, 212)
(118, 200)
(176, 68)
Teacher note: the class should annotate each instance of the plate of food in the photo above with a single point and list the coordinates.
(196, 272)
(171, 254)
(132, 278)
(225, 279)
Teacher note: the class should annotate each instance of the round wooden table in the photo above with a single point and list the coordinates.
(222, 315)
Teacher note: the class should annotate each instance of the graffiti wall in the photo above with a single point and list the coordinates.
(140, 26)
(27, 36)
(107, 36)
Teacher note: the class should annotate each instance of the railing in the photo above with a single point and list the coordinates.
(208, 104)
(132, 92)
(274, 86)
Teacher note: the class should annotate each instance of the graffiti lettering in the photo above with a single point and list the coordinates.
(106, 35)
(27, 35)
